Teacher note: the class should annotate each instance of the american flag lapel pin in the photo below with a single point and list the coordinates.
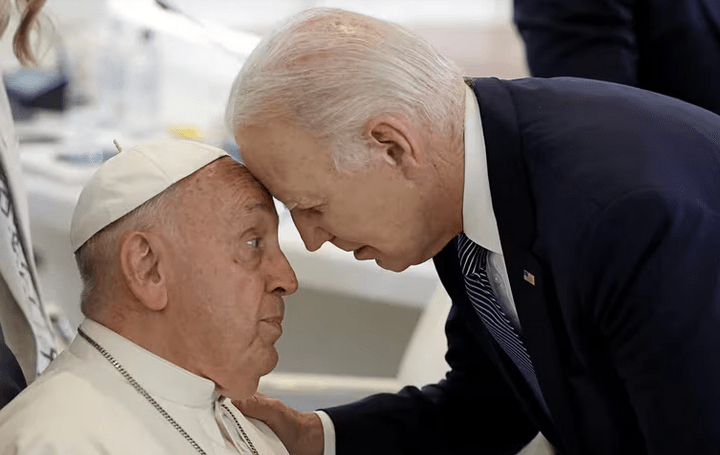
(529, 277)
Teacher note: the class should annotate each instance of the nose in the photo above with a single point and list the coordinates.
(283, 280)
(313, 236)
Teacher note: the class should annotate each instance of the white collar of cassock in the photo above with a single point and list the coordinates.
(156, 375)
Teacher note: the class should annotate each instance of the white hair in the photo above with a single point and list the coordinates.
(332, 70)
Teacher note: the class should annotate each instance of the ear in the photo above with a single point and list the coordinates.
(143, 264)
(397, 140)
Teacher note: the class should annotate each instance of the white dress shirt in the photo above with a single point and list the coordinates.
(479, 225)
(82, 405)
(479, 222)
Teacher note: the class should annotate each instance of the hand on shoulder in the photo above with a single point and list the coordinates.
(300, 432)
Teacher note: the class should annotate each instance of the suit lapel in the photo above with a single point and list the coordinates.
(542, 325)
(448, 266)
(712, 10)
(546, 338)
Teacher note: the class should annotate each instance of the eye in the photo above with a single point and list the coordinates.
(250, 250)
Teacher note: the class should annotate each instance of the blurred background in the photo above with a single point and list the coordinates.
(133, 70)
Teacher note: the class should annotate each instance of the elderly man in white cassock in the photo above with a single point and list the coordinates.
(183, 296)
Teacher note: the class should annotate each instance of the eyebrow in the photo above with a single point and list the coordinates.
(247, 208)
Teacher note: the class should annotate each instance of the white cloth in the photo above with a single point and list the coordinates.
(479, 225)
(83, 405)
(26, 328)
(328, 433)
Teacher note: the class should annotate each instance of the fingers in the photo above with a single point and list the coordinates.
(258, 406)
(301, 432)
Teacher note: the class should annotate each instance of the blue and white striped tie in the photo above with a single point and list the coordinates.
(473, 261)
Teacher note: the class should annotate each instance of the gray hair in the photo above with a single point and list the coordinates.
(97, 258)
(333, 70)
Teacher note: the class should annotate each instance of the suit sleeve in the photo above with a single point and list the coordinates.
(592, 39)
(656, 304)
(12, 381)
(471, 411)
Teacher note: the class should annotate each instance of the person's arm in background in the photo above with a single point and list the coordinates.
(472, 410)
(12, 380)
(665, 46)
(593, 39)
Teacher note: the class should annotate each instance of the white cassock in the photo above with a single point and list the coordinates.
(82, 405)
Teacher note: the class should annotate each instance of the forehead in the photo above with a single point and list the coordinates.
(289, 162)
(258, 202)
(240, 210)
(248, 199)
(226, 190)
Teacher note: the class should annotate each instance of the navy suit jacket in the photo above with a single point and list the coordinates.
(610, 197)
(667, 46)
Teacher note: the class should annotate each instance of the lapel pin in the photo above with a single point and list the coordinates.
(529, 277)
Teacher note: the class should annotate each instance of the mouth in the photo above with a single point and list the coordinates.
(276, 320)
(274, 323)
(273, 331)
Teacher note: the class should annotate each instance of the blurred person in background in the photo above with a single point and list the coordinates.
(183, 293)
(665, 46)
(27, 341)
(574, 223)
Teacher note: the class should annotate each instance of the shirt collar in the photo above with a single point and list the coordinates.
(479, 222)
(156, 375)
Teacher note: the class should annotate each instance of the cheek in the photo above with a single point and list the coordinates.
(254, 354)
(233, 341)
(237, 305)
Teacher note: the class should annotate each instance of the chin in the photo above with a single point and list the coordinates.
(393, 267)
(269, 363)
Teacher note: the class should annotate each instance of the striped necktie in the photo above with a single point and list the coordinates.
(473, 261)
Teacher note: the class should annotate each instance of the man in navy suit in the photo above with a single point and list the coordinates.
(574, 223)
(667, 46)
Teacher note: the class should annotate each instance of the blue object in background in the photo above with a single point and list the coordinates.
(30, 88)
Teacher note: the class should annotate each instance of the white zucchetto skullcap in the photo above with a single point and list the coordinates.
(133, 177)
